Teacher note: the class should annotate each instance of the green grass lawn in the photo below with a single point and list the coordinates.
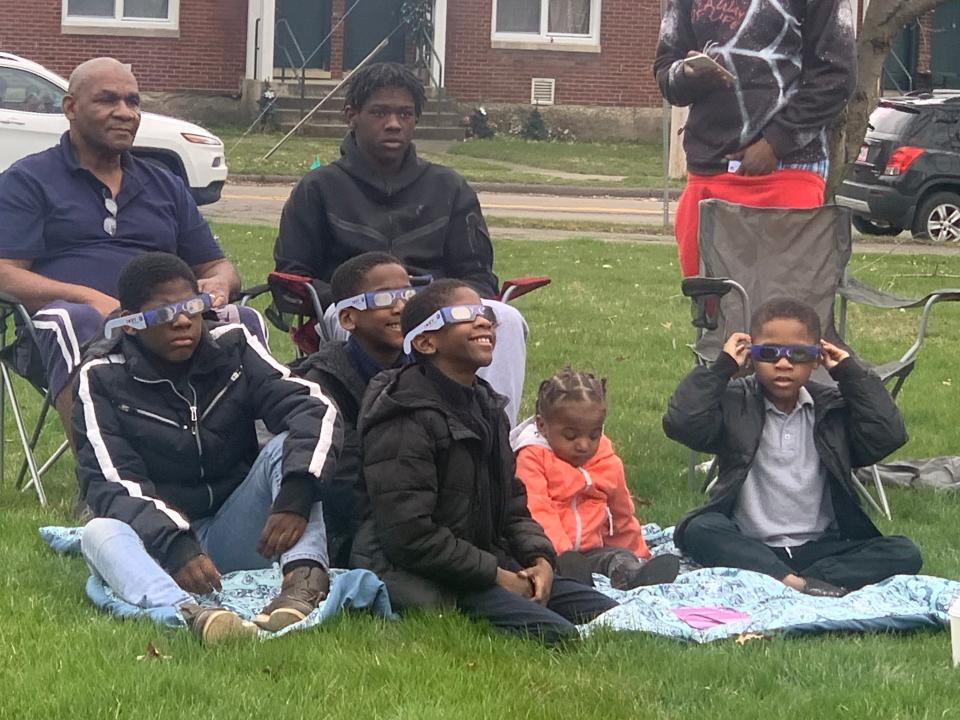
(612, 308)
(641, 164)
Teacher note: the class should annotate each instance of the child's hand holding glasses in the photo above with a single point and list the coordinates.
(831, 355)
(738, 347)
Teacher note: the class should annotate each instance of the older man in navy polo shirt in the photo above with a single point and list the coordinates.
(71, 217)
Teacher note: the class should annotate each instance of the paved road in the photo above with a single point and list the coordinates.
(261, 204)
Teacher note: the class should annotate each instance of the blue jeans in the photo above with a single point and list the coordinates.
(570, 602)
(116, 554)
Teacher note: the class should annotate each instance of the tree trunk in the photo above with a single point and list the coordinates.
(881, 23)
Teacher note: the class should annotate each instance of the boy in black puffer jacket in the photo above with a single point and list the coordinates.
(784, 503)
(449, 523)
(167, 457)
(369, 291)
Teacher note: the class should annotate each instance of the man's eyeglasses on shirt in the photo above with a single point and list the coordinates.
(450, 315)
(158, 316)
(110, 221)
(794, 353)
(377, 299)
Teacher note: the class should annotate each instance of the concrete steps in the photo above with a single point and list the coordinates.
(441, 119)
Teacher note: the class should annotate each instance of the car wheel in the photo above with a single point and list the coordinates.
(165, 163)
(868, 227)
(939, 218)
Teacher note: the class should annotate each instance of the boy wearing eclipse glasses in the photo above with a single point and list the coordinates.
(784, 503)
(168, 460)
(369, 293)
(448, 523)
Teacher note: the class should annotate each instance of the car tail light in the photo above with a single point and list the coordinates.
(901, 159)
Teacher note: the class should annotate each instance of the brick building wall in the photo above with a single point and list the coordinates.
(209, 55)
(620, 75)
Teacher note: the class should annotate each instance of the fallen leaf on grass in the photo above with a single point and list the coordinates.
(151, 653)
(666, 325)
(744, 638)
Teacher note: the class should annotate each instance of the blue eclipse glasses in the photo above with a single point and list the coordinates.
(450, 315)
(793, 353)
(377, 299)
(158, 316)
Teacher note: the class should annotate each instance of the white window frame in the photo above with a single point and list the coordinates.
(119, 25)
(545, 40)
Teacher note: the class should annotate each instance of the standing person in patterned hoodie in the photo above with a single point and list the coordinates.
(576, 487)
(758, 135)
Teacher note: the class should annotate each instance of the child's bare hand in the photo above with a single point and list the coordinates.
(737, 346)
(831, 355)
(199, 576)
(514, 583)
(540, 576)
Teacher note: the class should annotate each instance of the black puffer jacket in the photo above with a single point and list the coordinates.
(344, 502)
(855, 424)
(446, 506)
(427, 215)
(157, 454)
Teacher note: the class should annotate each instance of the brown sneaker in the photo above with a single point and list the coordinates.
(214, 625)
(302, 590)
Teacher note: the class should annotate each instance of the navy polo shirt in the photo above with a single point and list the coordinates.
(52, 213)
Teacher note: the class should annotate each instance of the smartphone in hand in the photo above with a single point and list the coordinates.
(701, 63)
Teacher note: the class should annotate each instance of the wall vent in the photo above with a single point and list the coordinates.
(542, 91)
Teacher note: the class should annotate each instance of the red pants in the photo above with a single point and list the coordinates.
(783, 188)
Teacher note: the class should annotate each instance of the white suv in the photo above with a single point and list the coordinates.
(31, 121)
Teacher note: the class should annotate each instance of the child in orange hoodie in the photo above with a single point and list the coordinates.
(576, 487)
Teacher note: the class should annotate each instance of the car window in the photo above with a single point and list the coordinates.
(923, 127)
(893, 120)
(26, 92)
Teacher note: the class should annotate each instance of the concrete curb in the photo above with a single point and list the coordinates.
(514, 188)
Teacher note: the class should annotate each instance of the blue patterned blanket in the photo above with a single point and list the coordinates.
(245, 592)
(702, 606)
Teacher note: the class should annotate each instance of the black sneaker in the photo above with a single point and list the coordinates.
(657, 570)
(302, 591)
(214, 625)
(820, 588)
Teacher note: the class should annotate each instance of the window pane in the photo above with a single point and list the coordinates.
(153, 9)
(569, 17)
(518, 16)
(25, 92)
(91, 8)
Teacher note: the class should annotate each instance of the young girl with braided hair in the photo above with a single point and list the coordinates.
(576, 487)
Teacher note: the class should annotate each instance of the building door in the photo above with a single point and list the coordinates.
(369, 23)
(301, 26)
(944, 58)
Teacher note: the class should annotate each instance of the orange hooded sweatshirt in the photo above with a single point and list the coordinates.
(580, 508)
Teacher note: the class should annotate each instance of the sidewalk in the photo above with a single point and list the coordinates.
(512, 188)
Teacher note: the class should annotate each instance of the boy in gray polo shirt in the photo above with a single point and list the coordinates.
(784, 503)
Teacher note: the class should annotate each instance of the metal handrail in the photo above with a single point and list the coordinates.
(906, 72)
(437, 81)
(282, 22)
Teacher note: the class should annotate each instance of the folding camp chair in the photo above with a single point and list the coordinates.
(14, 315)
(764, 253)
(302, 313)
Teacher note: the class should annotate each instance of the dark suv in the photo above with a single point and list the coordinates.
(907, 175)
